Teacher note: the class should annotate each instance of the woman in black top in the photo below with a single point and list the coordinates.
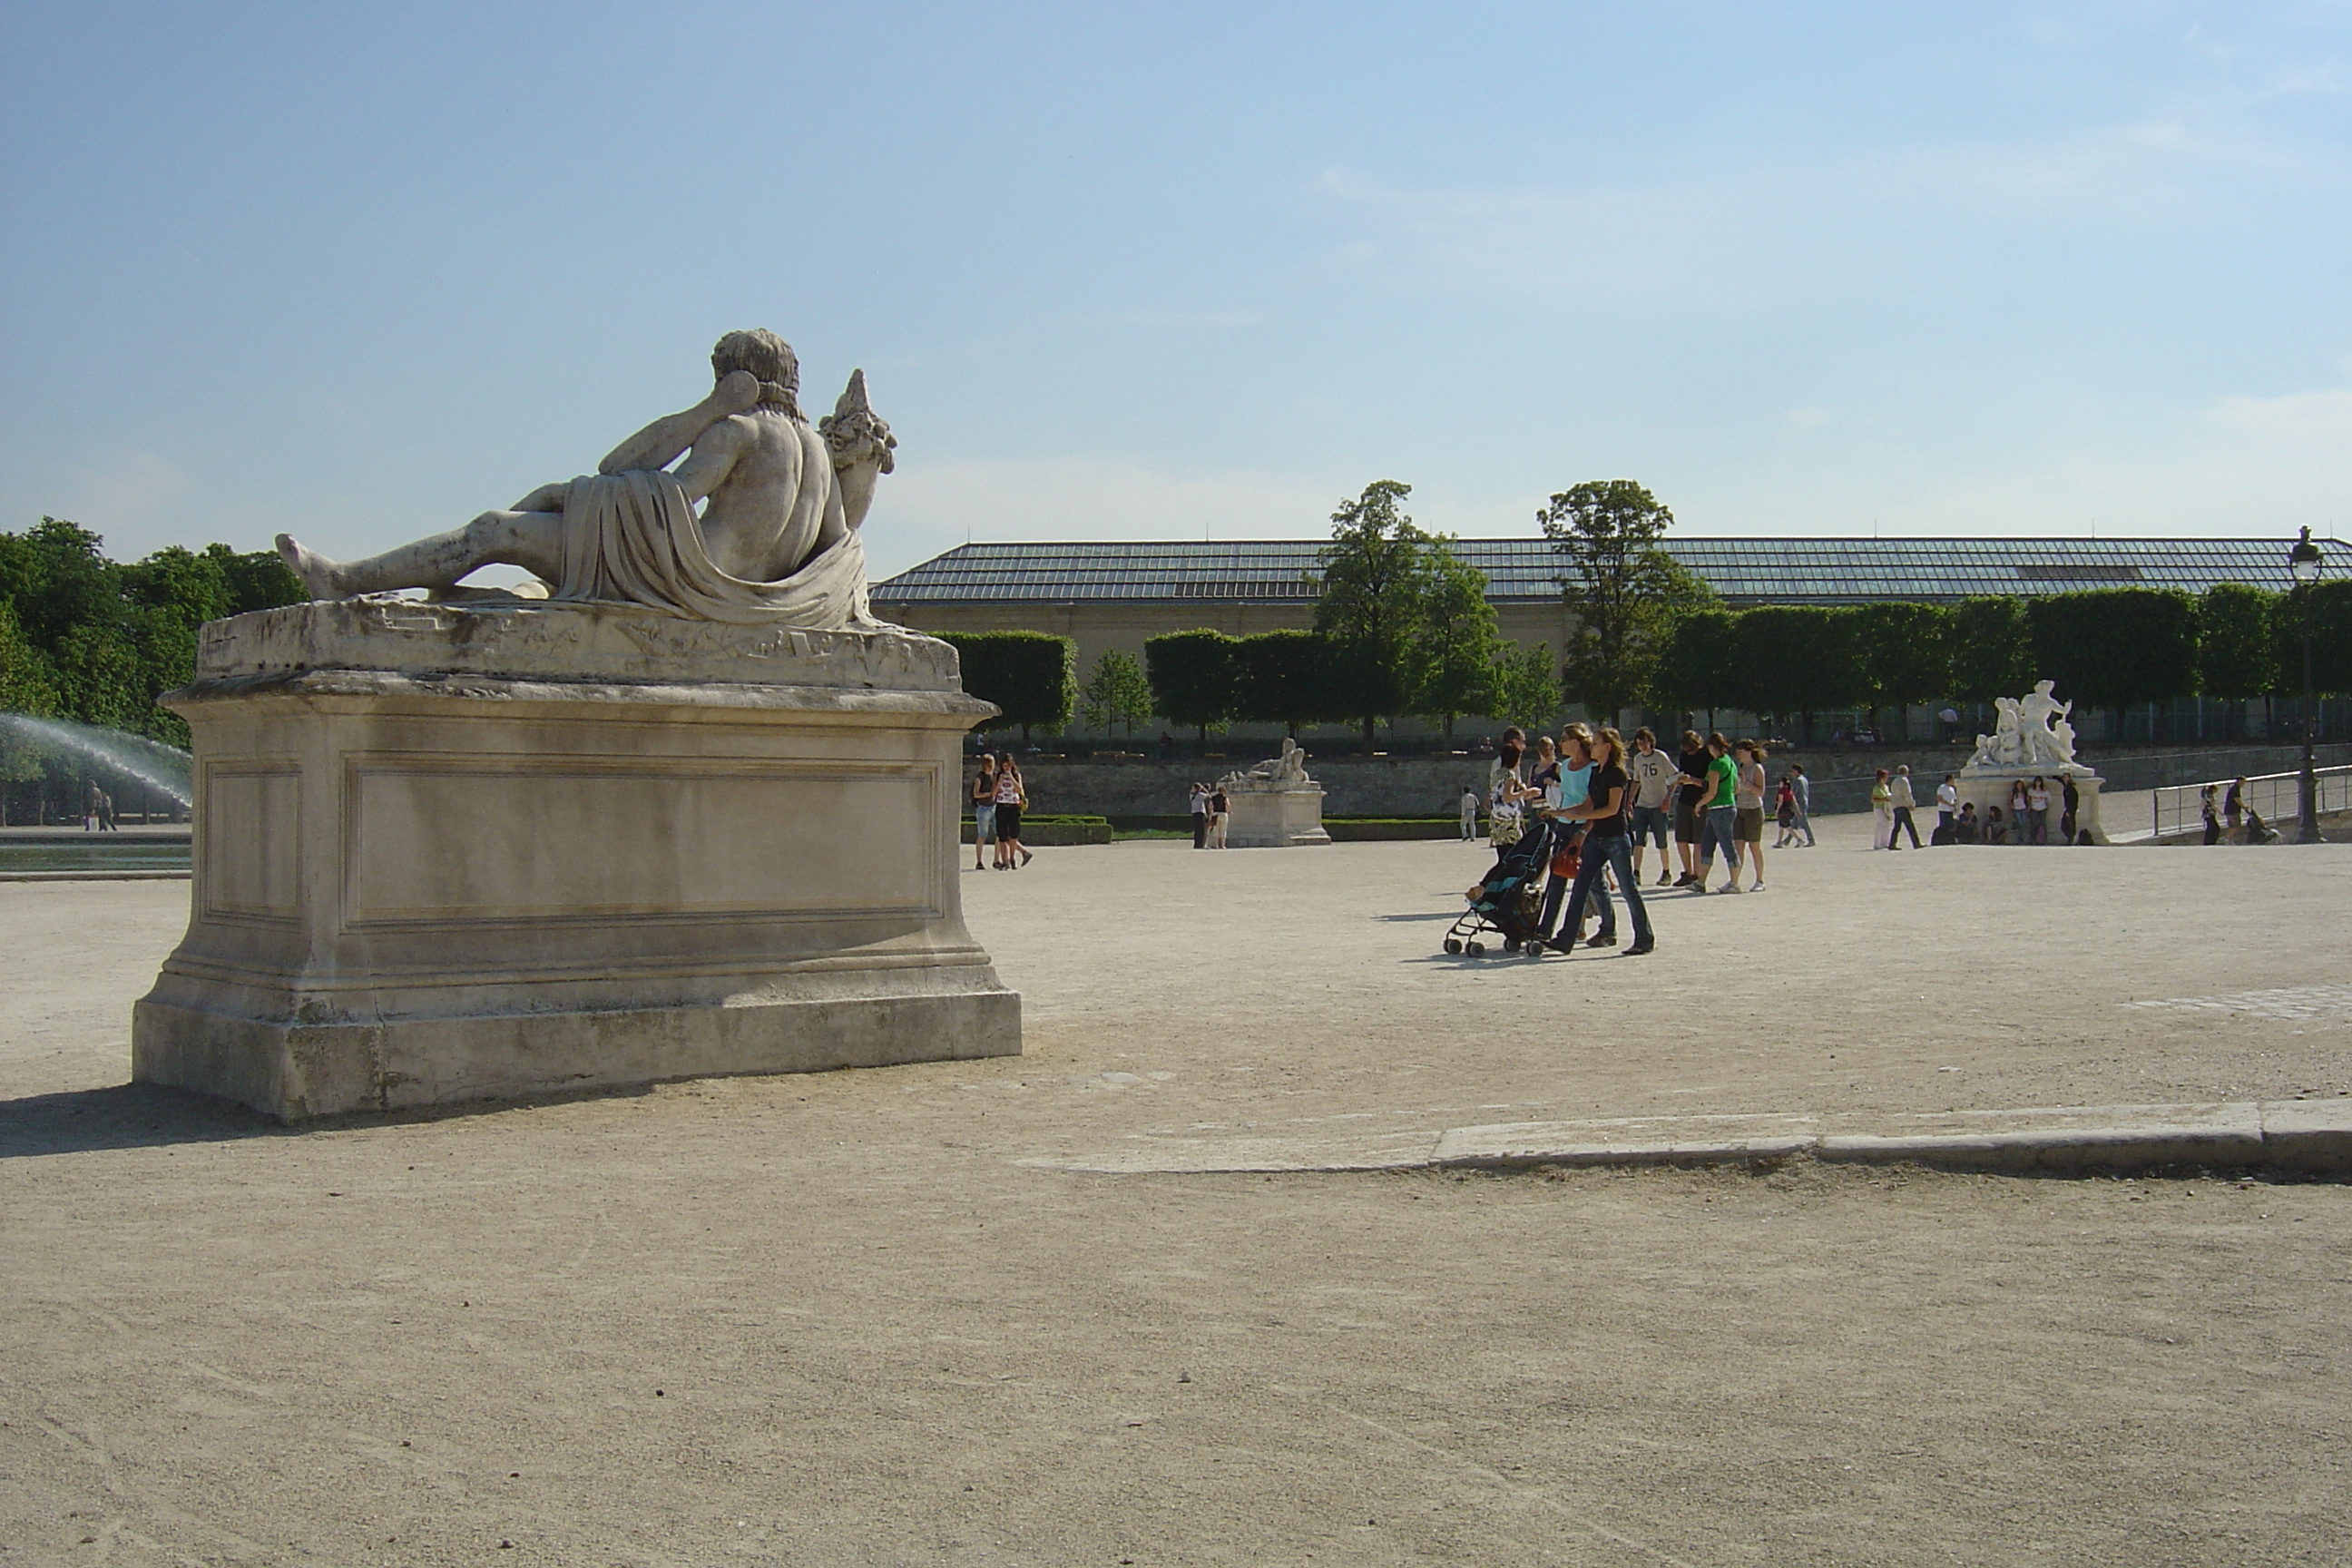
(1606, 845)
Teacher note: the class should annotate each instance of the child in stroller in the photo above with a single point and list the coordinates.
(1508, 900)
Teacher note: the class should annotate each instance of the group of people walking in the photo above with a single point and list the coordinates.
(998, 799)
(1579, 796)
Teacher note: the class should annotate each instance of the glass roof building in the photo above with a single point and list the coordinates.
(1117, 595)
(1527, 571)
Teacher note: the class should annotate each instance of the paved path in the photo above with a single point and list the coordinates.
(888, 1318)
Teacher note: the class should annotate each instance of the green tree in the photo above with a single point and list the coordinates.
(1903, 652)
(1455, 659)
(1031, 676)
(2330, 603)
(1284, 677)
(1624, 590)
(1116, 692)
(1523, 686)
(1787, 658)
(1700, 665)
(257, 579)
(27, 683)
(2111, 648)
(1992, 649)
(1373, 582)
(1195, 677)
(2237, 643)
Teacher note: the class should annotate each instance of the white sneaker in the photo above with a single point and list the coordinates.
(1730, 888)
(1757, 886)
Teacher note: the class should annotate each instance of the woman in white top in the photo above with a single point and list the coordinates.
(1011, 798)
(2037, 812)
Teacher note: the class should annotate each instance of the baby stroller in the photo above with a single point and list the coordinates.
(1508, 900)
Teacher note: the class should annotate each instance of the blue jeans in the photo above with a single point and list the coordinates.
(1713, 829)
(1616, 851)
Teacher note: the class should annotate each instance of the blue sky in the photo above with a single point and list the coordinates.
(1115, 272)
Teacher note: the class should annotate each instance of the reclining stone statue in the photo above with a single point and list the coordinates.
(776, 541)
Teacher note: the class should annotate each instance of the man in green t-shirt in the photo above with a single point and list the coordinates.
(1722, 781)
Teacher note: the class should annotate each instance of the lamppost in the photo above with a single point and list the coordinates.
(2303, 560)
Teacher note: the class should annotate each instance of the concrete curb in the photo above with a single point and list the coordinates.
(94, 876)
(2301, 1138)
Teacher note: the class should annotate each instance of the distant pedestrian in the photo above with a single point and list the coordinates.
(983, 808)
(1011, 800)
(1653, 792)
(2037, 811)
(1784, 813)
(2209, 805)
(2233, 804)
(1220, 814)
(1199, 816)
(2018, 805)
(1947, 807)
(1900, 797)
(1469, 816)
(1882, 812)
(2069, 807)
(1804, 788)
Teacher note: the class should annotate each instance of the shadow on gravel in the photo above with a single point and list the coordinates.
(125, 1116)
(150, 1116)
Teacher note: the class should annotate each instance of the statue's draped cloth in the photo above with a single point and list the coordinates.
(633, 539)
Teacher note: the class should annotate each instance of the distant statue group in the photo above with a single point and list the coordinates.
(1287, 771)
(776, 539)
(2029, 731)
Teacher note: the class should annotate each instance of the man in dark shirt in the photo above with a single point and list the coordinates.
(1688, 798)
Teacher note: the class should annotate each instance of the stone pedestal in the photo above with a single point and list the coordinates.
(449, 853)
(1990, 787)
(1273, 818)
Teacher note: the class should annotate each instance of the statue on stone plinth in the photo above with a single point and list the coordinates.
(776, 542)
(2029, 731)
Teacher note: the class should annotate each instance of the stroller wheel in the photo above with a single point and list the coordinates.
(1453, 945)
(1510, 944)
(1475, 950)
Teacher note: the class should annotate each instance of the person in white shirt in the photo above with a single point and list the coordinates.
(1947, 808)
(1653, 775)
(1469, 816)
(1904, 804)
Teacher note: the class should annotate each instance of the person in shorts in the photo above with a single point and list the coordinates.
(1747, 809)
(1653, 775)
(1690, 792)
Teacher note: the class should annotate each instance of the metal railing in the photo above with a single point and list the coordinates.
(2274, 797)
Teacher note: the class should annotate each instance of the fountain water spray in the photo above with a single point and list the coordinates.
(166, 769)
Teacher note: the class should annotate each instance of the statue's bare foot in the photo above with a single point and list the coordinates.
(317, 572)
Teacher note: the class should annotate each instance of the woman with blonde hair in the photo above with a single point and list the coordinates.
(1882, 812)
(1606, 846)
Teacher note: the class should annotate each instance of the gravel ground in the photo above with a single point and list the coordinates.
(861, 1318)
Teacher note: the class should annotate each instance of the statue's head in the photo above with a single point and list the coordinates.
(767, 356)
(2045, 687)
(854, 430)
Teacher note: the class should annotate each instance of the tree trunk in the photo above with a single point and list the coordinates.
(1368, 721)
